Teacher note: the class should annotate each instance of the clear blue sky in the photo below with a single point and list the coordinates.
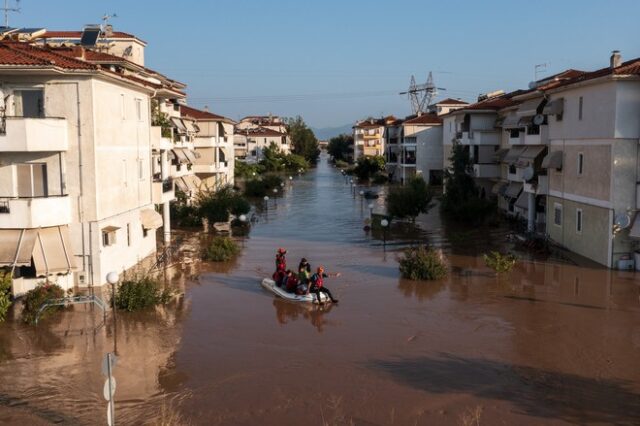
(336, 61)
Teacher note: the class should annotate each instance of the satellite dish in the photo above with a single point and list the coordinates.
(538, 119)
(527, 174)
(623, 220)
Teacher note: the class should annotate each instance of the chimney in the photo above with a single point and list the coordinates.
(616, 59)
(78, 52)
(206, 108)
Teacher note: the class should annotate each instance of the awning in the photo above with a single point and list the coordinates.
(513, 190)
(223, 154)
(228, 129)
(513, 154)
(150, 219)
(634, 232)
(51, 252)
(554, 107)
(410, 148)
(522, 201)
(530, 107)
(178, 124)
(191, 155)
(499, 188)
(525, 121)
(181, 156)
(191, 182)
(16, 246)
(181, 184)
(511, 121)
(110, 228)
(500, 154)
(529, 155)
(553, 160)
(191, 127)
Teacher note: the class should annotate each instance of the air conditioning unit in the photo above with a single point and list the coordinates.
(81, 279)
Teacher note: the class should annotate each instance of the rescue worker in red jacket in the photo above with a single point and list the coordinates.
(281, 266)
(317, 285)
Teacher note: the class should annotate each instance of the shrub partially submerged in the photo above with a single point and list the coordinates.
(500, 262)
(262, 186)
(34, 299)
(141, 293)
(221, 249)
(5, 293)
(422, 264)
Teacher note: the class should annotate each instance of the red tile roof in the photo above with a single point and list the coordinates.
(372, 122)
(424, 119)
(259, 131)
(198, 114)
(631, 67)
(23, 54)
(451, 101)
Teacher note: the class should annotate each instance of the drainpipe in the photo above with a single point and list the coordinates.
(531, 211)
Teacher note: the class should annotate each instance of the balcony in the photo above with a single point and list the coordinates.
(25, 213)
(539, 188)
(488, 171)
(372, 136)
(163, 191)
(34, 135)
(209, 142)
(480, 137)
(158, 141)
(221, 167)
(373, 150)
(536, 135)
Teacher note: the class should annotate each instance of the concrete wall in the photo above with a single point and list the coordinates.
(593, 242)
(429, 149)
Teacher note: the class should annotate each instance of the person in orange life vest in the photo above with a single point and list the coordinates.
(281, 266)
(317, 284)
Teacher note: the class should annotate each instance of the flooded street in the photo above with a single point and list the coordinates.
(550, 343)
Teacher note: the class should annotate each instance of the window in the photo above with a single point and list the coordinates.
(32, 180)
(557, 214)
(512, 169)
(140, 169)
(580, 102)
(108, 237)
(514, 133)
(129, 235)
(579, 221)
(145, 232)
(580, 163)
(29, 103)
(139, 109)
(122, 107)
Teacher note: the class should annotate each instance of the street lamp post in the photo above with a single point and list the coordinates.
(361, 200)
(371, 211)
(275, 196)
(385, 224)
(112, 278)
(266, 202)
(243, 219)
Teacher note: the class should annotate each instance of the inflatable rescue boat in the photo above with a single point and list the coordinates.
(270, 285)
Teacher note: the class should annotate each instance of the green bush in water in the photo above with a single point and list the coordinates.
(34, 299)
(221, 249)
(263, 186)
(422, 264)
(5, 293)
(500, 262)
(142, 293)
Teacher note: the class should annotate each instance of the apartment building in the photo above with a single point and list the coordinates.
(594, 161)
(368, 137)
(475, 127)
(214, 147)
(256, 132)
(76, 188)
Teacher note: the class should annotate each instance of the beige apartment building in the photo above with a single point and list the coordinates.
(369, 137)
(593, 162)
(76, 183)
(254, 133)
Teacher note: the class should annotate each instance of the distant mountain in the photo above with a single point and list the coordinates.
(327, 133)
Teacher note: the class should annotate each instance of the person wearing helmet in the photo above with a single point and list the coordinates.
(317, 285)
(281, 266)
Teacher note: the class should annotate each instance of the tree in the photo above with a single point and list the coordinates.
(340, 147)
(368, 167)
(461, 200)
(303, 139)
(410, 200)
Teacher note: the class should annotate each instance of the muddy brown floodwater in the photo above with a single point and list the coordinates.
(551, 343)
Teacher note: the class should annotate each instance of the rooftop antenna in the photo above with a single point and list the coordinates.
(421, 95)
(6, 9)
(539, 68)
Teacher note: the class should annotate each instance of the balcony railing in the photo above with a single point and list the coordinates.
(167, 185)
(23, 213)
(23, 134)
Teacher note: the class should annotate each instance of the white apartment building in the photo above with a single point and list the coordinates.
(76, 188)
(594, 162)
(214, 146)
(251, 141)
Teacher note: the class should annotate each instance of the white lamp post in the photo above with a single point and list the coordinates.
(112, 278)
(266, 202)
(385, 224)
(371, 211)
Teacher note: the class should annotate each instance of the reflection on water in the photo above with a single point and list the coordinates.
(393, 351)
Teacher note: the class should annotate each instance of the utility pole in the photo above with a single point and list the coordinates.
(6, 9)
